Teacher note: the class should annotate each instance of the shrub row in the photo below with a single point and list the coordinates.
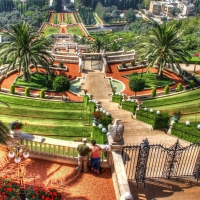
(189, 133)
(86, 99)
(91, 106)
(97, 135)
(130, 106)
(117, 98)
(157, 121)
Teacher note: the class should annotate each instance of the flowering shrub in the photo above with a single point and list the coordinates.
(196, 54)
(16, 125)
(97, 115)
(10, 190)
(33, 193)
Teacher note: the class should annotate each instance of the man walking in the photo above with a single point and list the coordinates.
(83, 151)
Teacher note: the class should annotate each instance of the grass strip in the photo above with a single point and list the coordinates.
(40, 103)
(62, 115)
(174, 99)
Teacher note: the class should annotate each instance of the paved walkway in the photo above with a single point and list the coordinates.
(65, 178)
(135, 132)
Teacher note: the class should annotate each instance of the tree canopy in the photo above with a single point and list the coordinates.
(162, 48)
(24, 48)
(136, 84)
(61, 84)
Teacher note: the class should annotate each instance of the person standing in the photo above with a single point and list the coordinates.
(83, 151)
(95, 157)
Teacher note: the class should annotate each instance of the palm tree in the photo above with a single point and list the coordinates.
(24, 48)
(98, 45)
(163, 47)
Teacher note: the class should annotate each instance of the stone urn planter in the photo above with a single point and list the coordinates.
(15, 129)
(175, 118)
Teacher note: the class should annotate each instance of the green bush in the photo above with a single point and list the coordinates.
(123, 64)
(179, 87)
(91, 106)
(61, 65)
(157, 121)
(86, 99)
(191, 84)
(190, 133)
(97, 135)
(105, 121)
(130, 106)
(27, 92)
(132, 62)
(12, 89)
(117, 98)
(153, 92)
(166, 90)
(42, 94)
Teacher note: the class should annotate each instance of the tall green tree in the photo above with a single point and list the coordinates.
(98, 45)
(163, 47)
(24, 48)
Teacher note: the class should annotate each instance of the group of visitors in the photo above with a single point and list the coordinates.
(83, 156)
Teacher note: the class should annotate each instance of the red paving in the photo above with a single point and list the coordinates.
(115, 74)
(72, 73)
(65, 178)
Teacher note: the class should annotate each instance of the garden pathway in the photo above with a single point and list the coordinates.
(135, 132)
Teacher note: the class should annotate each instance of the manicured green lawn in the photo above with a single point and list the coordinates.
(50, 30)
(75, 30)
(188, 103)
(59, 120)
(38, 80)
(174, 99)
(151, 81)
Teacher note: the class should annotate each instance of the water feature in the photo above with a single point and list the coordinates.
(118, 86)
(75, 86)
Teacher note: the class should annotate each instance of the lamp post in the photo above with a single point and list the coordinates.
(18, 151)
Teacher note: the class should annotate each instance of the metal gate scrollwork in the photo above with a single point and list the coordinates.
(172, 160)
(142, 162)
(196, 172)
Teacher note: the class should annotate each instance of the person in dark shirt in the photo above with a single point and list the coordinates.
(83, 151)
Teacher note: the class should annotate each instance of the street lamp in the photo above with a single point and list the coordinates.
(18, 151)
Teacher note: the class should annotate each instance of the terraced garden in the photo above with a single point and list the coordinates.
(188, 104)
(67, 121)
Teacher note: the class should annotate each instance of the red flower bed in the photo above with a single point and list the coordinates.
(11, 190)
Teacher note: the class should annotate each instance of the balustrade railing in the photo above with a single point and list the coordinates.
(57, 149)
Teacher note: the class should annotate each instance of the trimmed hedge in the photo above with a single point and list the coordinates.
(130, 106)
(91, 106)
(166, 90)
(157, 121)
(42, 94)
(190, 133)
(191, 83)
(86, 99)
(105, 121)
(153, 92)
(117, 98)
(179, 87)
(12, 89)
(27, 92)
(100, 137)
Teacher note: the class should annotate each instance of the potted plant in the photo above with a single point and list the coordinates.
(15, 129)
